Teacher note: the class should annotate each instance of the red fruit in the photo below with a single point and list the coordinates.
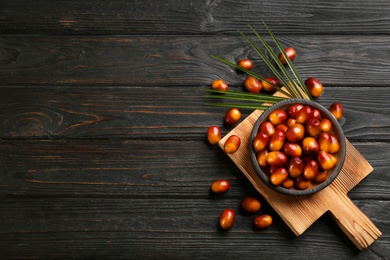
(262, 158)
(310, 170)
(314, 87)
(232, 116)
(288, 183)
(328, 143)
(267, 127)
(313, 127)
(316, 114)
(278, 176)
(310, 146)
(337, 110)
(260, 141)
(267, 86)
(276, 158)
(232, 144)
(292, 149)
(321, 177)
(293, 110)
(214, 134)
(252, 85)
(246, 64)
(326, 160)
(220, 186)
(295, 167)
(302, 183)
(290, 121)
(262, 221)
(250, 204)
(290, 53)
(281, 127)
(219, 84)
(304, 115)
(277, 116)
(295, 133)
(276, 141)
(272, 169)
(326, 125)
(227, 218)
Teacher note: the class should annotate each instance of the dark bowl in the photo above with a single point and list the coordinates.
(336, 130)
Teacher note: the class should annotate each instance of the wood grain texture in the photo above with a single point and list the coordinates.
(103, 152)
(173, 228)
(143, 169)
(141, 197)
(192, 17)
(183, 60)
(158, 112)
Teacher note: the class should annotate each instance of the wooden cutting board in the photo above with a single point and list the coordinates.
(300, 213)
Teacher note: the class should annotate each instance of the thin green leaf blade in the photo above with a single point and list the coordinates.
(287, 84)
(301, 84)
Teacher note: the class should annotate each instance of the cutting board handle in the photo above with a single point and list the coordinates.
(355, 224)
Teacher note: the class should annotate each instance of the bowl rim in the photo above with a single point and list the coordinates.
(335, 124)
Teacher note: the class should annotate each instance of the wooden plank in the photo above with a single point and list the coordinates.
(113, 168)
(182, 60)
(188, 17)
(173, 227)
(158, 112)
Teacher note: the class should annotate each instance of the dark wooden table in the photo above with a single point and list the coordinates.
(102, 143)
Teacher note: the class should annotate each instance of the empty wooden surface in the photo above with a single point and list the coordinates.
(102, 125)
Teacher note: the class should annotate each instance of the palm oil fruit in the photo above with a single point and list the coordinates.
(276, 158)
(277, 117)
(262, 221)
(321, 177)
(260, 141)
(252, 85)
(310, 170)
(282, 127)
(290, 53)
(220, 186)
(219, 84)
(316, 114)
(302, 183)
(269, 83)
(314, 86)
(304, 114)
(262, 158)
(276, 141)
(295, 167)
(292, 150)
(245, 64)
(328, 143)
(326, 125)
(267, 127)
(313, 127)
(293, 110)
(232, 144)
(310, 146)
(288, 183)
(250, 204)
(337, 110)
(226, 221)
(295, 133)
(327, 161)
(232, 116)
(214, 134)
(279, 176)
